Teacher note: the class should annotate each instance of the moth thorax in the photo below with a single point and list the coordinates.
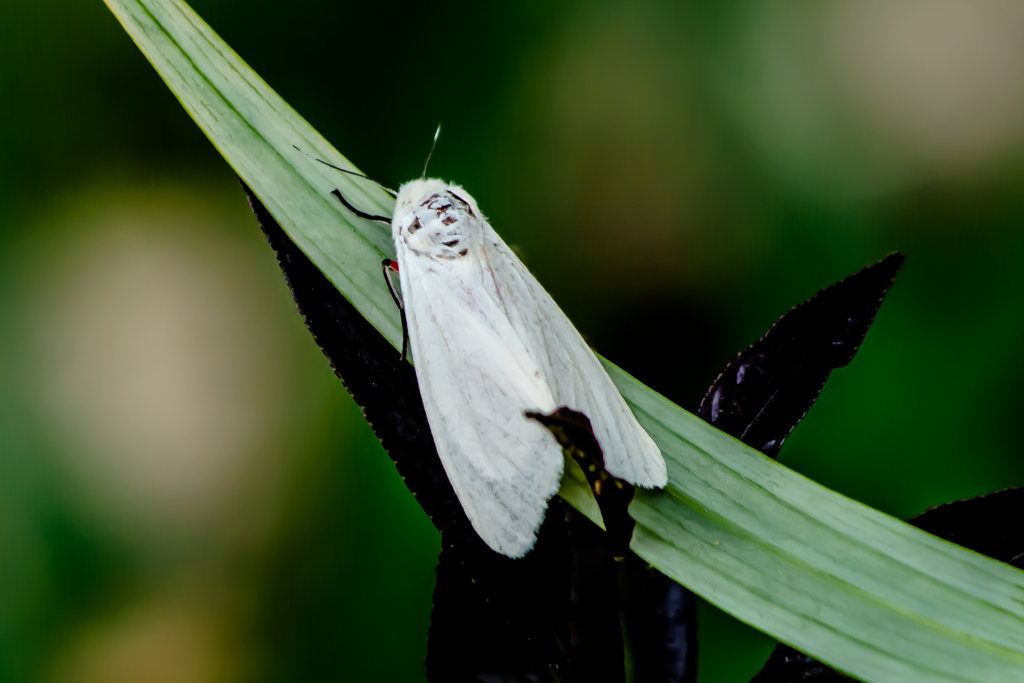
(440, 224)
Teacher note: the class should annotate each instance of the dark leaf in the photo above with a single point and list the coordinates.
(597, 596)
(497, 619)
(767, 389)
(786, 665)
(992, 525)
(515, 611)
(662, 617)
(598, 652)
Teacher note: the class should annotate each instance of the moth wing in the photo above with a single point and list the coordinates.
(572, 370)
(477, 380)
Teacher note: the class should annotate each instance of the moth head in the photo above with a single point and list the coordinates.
(436, 219)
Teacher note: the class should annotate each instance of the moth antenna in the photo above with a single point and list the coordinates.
(391, 192)
(387, 265)
(361, 214)
(436, 134)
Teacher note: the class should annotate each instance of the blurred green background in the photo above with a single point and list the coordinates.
(188, 495)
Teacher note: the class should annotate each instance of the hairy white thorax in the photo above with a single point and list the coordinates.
(437, 220)
(490, 344)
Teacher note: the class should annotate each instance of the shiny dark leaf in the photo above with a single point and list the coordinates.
(767, 389)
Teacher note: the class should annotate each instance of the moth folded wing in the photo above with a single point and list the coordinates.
(477, 382)
(572, 370)
(630, 453)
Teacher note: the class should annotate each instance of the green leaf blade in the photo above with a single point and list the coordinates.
(836, 564)
(853, 587)
(257, 132)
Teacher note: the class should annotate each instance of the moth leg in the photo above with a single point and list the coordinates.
(361, 214)
(389, 266)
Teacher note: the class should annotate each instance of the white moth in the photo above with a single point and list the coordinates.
(490, 344)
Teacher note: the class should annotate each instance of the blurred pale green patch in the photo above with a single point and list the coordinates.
(166, 419)
(160, 355)
(868, 98)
